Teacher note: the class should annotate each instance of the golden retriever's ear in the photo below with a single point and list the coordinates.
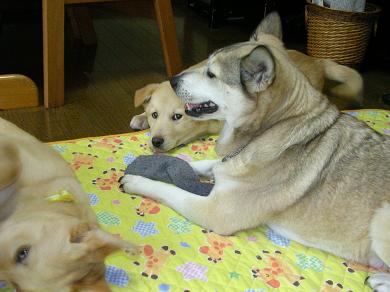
(93, 244)
(10, 165)
(141, 95)
(93, 281)
(98, 286)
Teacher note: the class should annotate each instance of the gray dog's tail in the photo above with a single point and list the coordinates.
(351, 87)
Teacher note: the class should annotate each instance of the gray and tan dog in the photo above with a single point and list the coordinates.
(291, 159)
(170, 127)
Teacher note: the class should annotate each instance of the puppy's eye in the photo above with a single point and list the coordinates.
(176, 117)
(155, 115)
(22, 254)
(210, 74)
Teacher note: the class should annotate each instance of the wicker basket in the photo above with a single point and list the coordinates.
(339, 35)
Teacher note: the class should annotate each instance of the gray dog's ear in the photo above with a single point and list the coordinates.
(257, 69)
(271, 24)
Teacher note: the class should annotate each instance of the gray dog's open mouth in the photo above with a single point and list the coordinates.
(198, 109)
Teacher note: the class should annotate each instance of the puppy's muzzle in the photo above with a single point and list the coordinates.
(157, 141)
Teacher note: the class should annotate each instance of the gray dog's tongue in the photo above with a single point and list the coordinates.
(191, 106)
(171, 170)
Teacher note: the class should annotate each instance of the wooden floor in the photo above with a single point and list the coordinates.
(100, 82)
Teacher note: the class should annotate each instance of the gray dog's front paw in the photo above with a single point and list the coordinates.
(379, 282)
(132, 183)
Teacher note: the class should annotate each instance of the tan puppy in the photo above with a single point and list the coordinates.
(49, 236)
(291, 159)
(164, 113)
(170, 127)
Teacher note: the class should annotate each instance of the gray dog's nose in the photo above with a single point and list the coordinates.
(157, 141)
(174, 81)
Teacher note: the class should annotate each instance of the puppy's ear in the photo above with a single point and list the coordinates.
(141, 95)
(92, 244)
(257, 70)
(271, 24)
(139, 122)
(10, 165)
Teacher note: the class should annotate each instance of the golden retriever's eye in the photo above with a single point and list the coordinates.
(155, 115)
(210, 74)
(176, 117)
(22, 254)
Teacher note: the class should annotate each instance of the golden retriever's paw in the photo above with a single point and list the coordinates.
(379, 282)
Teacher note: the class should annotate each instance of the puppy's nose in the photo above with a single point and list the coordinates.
(175, 81)
(157, 141)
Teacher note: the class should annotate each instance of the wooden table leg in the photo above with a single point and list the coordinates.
(53, 13)
(166, 24)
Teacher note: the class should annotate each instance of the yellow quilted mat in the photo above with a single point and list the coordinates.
(180, 256)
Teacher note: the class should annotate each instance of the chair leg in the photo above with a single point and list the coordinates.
(53, 13)
(166, 23)
(17, 91)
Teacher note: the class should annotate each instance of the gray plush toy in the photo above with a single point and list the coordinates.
(171, 170)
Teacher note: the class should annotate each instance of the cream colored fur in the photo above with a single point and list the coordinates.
(66, 246)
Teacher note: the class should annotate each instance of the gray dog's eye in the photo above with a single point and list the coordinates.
(210, 74)
(22, 254)
(176, 117)
(155, 115)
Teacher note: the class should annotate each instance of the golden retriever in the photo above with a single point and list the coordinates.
(49, 236)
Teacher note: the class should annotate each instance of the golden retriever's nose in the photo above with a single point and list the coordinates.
(157, 141)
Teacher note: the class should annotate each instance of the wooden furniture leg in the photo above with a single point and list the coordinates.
(53, 13)
(166, 24)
